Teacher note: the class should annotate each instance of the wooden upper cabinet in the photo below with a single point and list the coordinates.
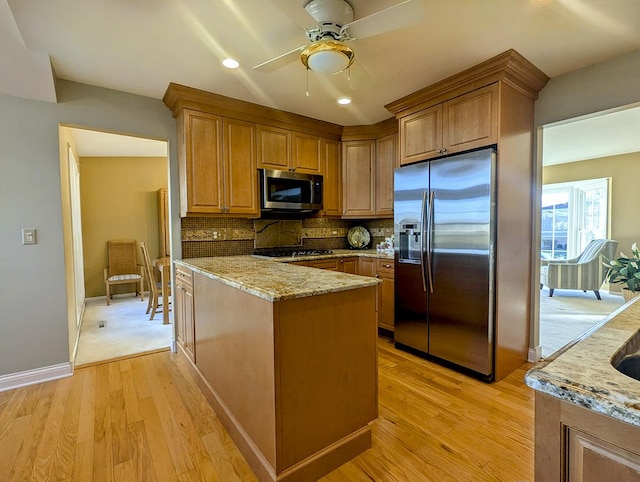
(332, 178)
(384, 164)
(306, 153)
(201, 170)
(358, 195)
(462, 123)
(274, 148)
(471, 120)
(421, 135)
(240, 178)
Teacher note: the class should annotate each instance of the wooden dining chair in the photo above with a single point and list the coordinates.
(123, 266)
(155, 288)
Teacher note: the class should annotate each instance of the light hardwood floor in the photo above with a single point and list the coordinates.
(144, 419)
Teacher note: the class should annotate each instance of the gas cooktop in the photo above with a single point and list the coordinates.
(290, 252)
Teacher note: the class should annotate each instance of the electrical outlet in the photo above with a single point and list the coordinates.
(29, 236)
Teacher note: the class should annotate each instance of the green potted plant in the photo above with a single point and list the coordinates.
(625, 270)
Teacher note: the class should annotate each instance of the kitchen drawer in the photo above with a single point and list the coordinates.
(184, 276)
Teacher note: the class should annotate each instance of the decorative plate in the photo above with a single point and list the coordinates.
(358, 237)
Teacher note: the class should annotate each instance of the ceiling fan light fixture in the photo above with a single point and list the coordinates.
(327, 57)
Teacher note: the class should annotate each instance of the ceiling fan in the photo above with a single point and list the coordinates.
(329, 24)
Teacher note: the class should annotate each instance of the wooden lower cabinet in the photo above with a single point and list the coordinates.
(574, 444)
(386, 294)
(184, 319)
(294, 381)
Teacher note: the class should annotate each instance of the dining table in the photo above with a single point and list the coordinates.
(163, 265)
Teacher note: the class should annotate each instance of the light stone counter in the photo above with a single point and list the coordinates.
(275, 281)
(583, 374)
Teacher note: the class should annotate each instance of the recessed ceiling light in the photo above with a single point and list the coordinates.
(230, 63)
(344, 101)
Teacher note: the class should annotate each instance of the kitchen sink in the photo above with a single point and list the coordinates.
(627, 359)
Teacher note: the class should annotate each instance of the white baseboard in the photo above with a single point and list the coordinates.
(535, 354)
(38, 375)
(174, 346)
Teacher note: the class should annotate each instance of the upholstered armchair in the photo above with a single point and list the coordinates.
(586, 272)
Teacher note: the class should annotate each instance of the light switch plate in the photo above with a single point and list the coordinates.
(29, 236)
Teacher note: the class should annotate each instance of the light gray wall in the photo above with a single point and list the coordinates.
(602, 86)
(33, 312)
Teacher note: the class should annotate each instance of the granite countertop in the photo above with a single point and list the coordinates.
(583, 374)
(275, 281)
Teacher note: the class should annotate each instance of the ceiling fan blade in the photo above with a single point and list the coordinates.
(279, 61)
(399, 16)
(296, 12)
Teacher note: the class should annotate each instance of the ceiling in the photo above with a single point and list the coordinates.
(140, 46)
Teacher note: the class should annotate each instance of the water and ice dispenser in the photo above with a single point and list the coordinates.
(410, 242)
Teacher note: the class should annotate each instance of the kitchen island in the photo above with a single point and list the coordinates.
(587, 412)
(286, 355)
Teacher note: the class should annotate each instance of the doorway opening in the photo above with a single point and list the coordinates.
(587, 193)
(111, 187)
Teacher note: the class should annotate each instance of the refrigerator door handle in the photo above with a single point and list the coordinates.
(423, 215)
(429, 231)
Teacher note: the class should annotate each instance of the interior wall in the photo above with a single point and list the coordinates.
(119, 201)
(33, 296)
(623, 209)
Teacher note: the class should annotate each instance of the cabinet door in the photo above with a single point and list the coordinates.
(306, 156)
(421, 135)
(348, 265)
(274, 148)
(357, 178)
(386, 301)
(383, 174)
(332, 180)
(202, 171)
(590, 459)
(241, 175)
(185, 326)
(471, 120)
(367, 267)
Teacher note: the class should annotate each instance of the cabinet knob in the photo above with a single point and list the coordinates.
(377, 275)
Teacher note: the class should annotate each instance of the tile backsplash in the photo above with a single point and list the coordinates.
(203, 237)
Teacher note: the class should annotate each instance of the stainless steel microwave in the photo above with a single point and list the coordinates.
(290, 191)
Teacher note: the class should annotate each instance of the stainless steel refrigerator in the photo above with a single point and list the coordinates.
(444, 221)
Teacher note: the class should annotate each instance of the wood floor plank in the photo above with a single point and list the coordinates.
(141, 461)
(10, 444)
(129, 392)
(158, 447)
(67, 440)
(173, 432)
(120, 439)
(45, 457)
(25, 460)
(434, 424)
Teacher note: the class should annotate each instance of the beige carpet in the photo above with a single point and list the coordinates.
(127, 330)
(570, 313)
